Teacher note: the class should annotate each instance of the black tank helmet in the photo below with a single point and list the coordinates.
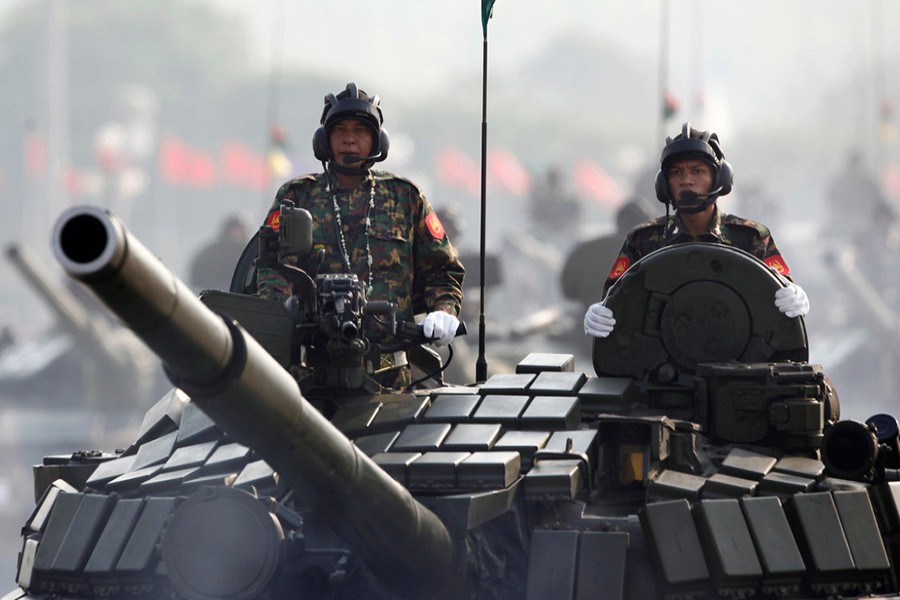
(703, 145)
(352, 103)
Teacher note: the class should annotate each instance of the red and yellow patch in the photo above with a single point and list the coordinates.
(777, 263)
(620, 266)
(435, 226)
(274, 220)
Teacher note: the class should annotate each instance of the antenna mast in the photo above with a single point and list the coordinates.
(487, 8)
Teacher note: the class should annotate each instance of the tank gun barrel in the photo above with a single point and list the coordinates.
(850, 450)
(862, 451)
(257, 403)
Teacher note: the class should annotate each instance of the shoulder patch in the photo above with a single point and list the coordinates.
(273, 219)
(620, 266)
(435, 227)
(777, 264)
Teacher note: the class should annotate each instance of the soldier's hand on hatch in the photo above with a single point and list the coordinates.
(440, 325)
(792, 300)
(598, 321)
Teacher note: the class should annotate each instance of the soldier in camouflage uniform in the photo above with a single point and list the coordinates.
(373, 224)
(693, 174)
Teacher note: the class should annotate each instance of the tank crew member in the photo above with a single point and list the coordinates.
(374, 224)
(693, 174)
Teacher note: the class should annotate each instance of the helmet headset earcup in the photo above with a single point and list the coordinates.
(384, 144)
(662, 187)
(724, 174)
(321, 147)
(725, 178)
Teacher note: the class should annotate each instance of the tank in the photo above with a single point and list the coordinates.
(701, 457)
(111, 362)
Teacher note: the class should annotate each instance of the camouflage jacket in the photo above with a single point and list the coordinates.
(750, 236)
(412, 260)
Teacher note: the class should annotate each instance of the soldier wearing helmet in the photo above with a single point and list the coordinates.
(693, 174)
(373, 224)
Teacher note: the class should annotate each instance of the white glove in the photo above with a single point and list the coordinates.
(440, 325)
(792, 300)
(598, 321)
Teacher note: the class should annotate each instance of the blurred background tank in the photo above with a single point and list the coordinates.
(83, 382)
(858, 259)
(582, 276)
(85, 359)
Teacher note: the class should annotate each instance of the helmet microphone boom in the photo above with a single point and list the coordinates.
(351, 159)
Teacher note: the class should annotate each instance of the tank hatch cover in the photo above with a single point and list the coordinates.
(695, 303)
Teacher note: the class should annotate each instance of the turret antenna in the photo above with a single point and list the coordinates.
(487, 9)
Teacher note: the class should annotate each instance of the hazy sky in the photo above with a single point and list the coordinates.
(750, 58)
(760, 59)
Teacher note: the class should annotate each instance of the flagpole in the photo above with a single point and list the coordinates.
(481, 361)
(879, 74)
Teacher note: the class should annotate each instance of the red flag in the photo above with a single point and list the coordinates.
(595, 182)
(73, 181)
(172, 156)
(509, 173)
(458, 170)
(242, 167)
(183, 165)
(202, 172)
(890, 179)
(35, 153)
